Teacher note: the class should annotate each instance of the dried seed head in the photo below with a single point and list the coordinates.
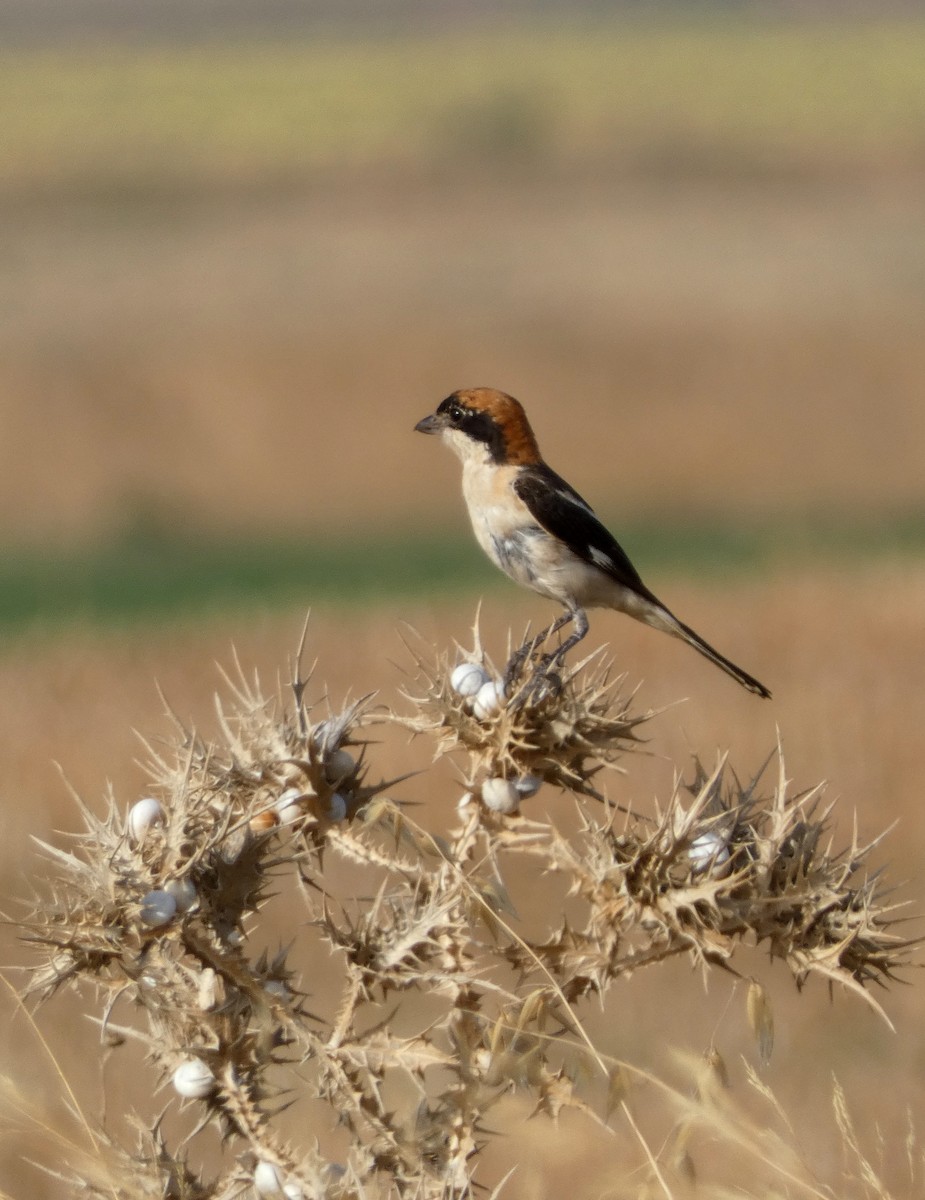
(431, 914)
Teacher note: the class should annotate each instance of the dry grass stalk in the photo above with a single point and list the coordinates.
(280, 792)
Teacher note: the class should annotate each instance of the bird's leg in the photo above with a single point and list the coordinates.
(520, 656)
(580, 618)
(528, 649)
(546, 679)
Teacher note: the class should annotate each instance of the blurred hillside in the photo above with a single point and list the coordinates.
(236, 272)
(45, 21)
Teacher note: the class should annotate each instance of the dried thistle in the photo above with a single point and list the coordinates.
(155, 909)
(558, 729)
(773, 878)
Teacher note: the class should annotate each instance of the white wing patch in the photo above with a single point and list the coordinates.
(601, 557)
(573, 498)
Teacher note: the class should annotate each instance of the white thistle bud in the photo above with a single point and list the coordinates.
(527, 785)
(158, 908)
(467, 678)
(193, 1079)
(270, 1180)
(142, 816)
(210, 992)
(337, 807)
(183, 892)
(500, 795)
(289, 806)
(339, 765)
(489, 699)
(709, 852)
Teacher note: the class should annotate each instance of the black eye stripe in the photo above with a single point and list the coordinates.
(477, 424)
(452, 410)
(481, 427)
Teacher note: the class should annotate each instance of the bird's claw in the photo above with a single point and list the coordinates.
(545, 685)
(539, 681)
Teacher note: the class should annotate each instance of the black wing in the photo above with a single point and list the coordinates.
(564, 514)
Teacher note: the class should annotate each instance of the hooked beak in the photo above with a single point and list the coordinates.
(430, 424)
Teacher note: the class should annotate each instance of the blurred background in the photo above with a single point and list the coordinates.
(245, 246)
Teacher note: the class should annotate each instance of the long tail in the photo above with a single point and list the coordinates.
(686, 634)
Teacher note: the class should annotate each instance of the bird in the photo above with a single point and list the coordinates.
(541, 532)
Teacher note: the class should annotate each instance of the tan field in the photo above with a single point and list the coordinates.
(722, 323)
(724, 349)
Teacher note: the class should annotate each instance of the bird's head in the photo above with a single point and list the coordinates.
(484, 424)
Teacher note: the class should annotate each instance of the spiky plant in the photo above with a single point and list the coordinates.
(157, 911)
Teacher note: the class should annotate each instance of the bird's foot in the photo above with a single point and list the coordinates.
(545, 685)
(529, 680)
(517, 671)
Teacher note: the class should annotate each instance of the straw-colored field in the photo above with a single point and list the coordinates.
(186, 343)
(234, 278)
(726, 351)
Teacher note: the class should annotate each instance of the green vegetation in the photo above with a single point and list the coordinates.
(735, 96)
(151, 575)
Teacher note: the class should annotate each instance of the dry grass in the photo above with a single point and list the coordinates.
(868, 756)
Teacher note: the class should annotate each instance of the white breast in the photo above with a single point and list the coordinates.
(532, 557)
